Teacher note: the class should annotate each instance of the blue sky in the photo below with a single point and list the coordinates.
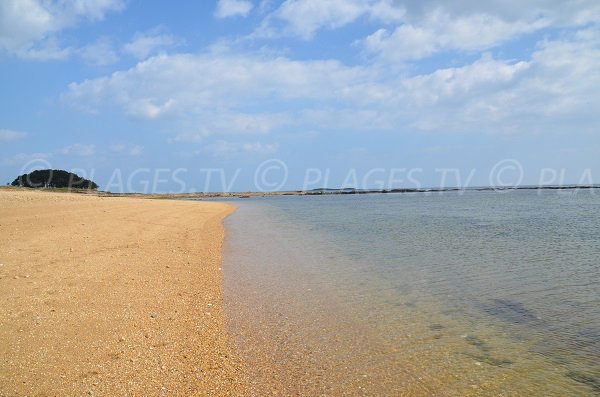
(153, 95)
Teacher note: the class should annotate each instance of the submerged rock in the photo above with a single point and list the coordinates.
(585, 379)
(511, 311)
(436, 327)
(478, 343)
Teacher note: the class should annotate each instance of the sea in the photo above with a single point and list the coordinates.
(467, 293)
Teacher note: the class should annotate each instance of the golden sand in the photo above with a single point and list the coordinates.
(112, 296)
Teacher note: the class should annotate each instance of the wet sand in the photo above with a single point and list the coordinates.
(112, 296)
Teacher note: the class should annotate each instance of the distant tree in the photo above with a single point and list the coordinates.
(54, 179)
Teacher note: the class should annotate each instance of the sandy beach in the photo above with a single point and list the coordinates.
(112, 296)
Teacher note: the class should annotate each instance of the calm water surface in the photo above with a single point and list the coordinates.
(450, 294)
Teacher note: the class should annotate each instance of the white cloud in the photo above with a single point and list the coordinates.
(136, 150)
(7, 135)
(349, 118)
(117, 148)
(23, 22)
(438, 101)
(211, 90)
(46, 50)
(23, 158)
(27, 27)
(439, 31)
(560, 12)
(144, 44)
(260, 148)
(303, 18)
(94, 10)
(149, 109)
(479, 77)
(432, 26)
(218, 94)
(265, 5)
(100, 53)
(231, 123)
(191, 137)
(209, 81)
(387, 11)
(78, 149)
(244, 123)
(553, 92)
(436, 24)
(233, 8)
(131, 150)
(222, 148)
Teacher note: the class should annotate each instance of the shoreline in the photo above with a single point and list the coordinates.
(314, 192)
(107, 296)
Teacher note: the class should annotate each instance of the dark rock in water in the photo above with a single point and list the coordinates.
(478, 343)
(436, 327)
(510, 311)
(585, 379)
(497, 362)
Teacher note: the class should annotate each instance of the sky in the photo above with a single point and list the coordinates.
(149, 95)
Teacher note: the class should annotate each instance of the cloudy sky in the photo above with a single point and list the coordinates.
(328, 85)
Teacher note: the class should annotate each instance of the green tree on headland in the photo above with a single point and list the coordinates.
(53, 179)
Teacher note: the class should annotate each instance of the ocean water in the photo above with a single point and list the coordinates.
(445, 294)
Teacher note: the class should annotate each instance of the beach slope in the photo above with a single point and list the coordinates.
(112, 296)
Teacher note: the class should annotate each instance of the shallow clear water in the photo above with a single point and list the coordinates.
(479, 293)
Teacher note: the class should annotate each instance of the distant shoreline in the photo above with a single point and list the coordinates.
(312, 192)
